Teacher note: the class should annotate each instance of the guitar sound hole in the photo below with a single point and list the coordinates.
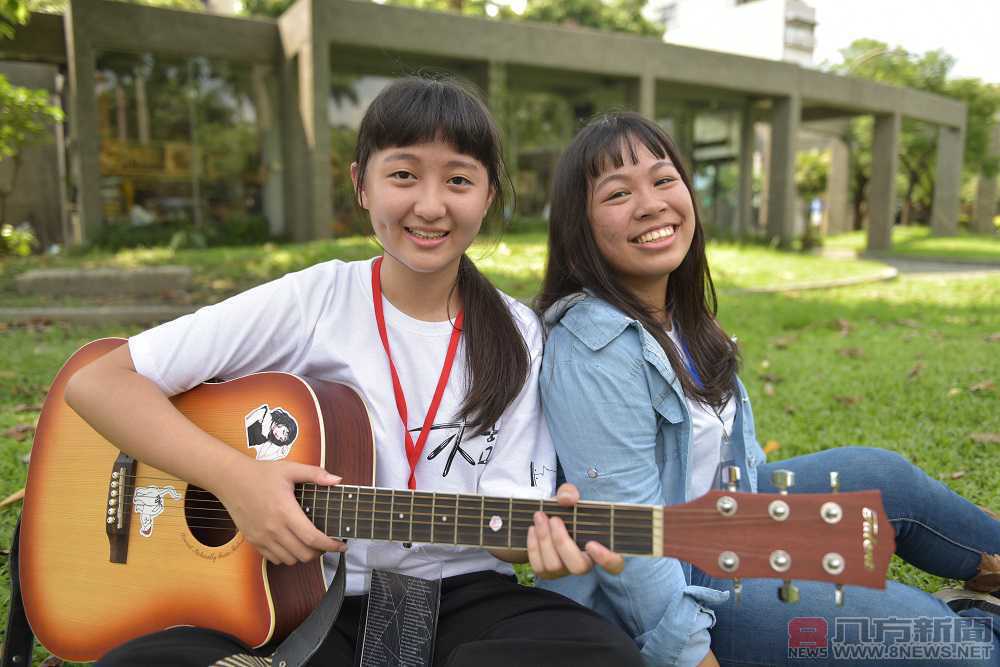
(207, 518)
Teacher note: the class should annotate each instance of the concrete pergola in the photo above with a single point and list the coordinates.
(299, 51)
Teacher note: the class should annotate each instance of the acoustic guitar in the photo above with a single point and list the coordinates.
(112, 549)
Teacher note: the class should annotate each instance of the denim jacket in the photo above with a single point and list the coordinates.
(620, 424)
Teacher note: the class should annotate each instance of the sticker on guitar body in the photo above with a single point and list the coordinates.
(148, 503)
(271, 433)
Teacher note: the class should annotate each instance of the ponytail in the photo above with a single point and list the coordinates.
(497, 358)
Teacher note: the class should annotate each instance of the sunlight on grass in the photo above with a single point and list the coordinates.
(918, 242)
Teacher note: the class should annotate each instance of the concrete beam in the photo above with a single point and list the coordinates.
(882, 190)
(986, 188)
(118, 26)
(41, 40)
(785, 118)
(947, 181)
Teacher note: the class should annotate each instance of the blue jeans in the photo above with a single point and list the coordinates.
(936, 529)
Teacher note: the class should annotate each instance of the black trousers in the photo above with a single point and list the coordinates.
(486, 619)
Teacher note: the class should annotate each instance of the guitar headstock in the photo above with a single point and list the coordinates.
(842, 538)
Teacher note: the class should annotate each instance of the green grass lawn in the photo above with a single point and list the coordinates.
(917, 243)
(515, 261)
(909, 365)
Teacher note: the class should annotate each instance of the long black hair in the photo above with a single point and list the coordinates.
(575, 262)
(415, 110)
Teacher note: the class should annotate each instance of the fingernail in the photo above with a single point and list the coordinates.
(334, 479)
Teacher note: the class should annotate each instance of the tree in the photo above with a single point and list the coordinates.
(12, 13)
(25, 116)
(615, 15)
(874, 60)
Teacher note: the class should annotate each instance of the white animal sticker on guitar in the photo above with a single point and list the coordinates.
(148, 503)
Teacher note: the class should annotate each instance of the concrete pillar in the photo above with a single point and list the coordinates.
(986, 188)
(947, 181)
(647, 96)
(882, 189)
(785, 117)
(837, 189)
(305, 86)
(84, 144)
(266, 102)
(499, 102)
(744, 192)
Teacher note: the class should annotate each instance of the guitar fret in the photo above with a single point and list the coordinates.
(326, 513)
(467, 530)
(340, 516)
(433, 514)
(510, 519)
(392, 511)
(411, 518)
(422, 517)
(382, 528)
(482, 518)
(612, 512)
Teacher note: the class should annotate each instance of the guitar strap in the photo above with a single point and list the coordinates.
(19, 640)
(305, 640)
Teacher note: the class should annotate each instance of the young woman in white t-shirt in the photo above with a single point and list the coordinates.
(428, 169)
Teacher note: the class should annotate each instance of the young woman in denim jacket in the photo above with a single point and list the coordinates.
(640, 389)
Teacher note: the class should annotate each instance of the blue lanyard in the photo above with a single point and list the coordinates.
(688, 362)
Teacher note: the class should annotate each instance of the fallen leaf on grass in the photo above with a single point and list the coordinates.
(6, 375)
(985, 438)
(912, 324)
(985, 385)
(847, 401)
(52, 661)
(768, 389)
(916, 370)
(27, 407)
(790, 409)
(844, 326)
(12, 498)
(954, 391)
(770, 378)
(993, 338)
(782, 342)
(765, 364)
(19, 432)
(771, 447)
(958, 474)
(851, 352)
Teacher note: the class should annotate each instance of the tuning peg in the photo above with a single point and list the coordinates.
(788, 592)
(731, 478)
(737, 590)
(784, 480)
(838, 595)
(834, 481)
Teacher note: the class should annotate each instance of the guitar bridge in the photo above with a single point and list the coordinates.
(121, 486)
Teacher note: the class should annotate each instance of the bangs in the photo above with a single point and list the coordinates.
(617, 138)
(410, 112)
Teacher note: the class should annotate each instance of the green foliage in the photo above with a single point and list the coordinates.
(12, 13)
(615, 15)
(18, 241)
(236, 230)
(874, 60)
(811, 170)
(25, 115)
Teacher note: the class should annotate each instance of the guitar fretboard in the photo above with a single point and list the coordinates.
(399, 515)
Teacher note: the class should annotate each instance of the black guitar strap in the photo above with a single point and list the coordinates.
(305, 640)
(19, 640)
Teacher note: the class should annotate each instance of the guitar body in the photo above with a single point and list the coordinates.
(185, 564)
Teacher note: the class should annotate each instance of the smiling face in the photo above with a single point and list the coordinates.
(426, 203)
(643, 220)
(280, 433)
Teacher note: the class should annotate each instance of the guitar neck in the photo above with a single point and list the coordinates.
(399, 515)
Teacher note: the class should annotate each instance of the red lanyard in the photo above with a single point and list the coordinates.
(413, 450)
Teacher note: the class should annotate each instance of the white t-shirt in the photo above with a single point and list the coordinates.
(320, 323)
(706, 436)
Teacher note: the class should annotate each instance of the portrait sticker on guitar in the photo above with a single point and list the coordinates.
(271, 433)
(148, 503)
